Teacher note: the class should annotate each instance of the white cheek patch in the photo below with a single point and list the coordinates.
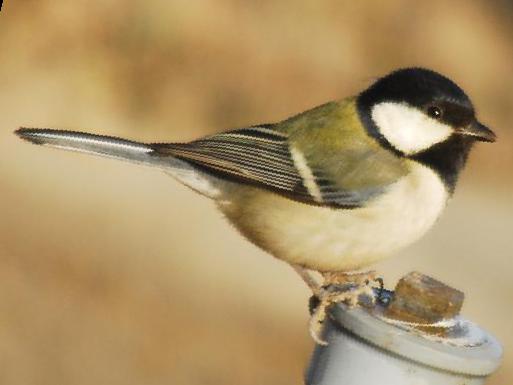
(408, 129)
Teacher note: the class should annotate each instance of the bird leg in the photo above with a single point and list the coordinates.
(337, 287)
(309, 279)
(340, 287)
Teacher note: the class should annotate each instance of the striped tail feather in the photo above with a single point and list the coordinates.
(123, 149)
(107, 146)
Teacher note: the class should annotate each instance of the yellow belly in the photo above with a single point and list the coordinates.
(327, 239)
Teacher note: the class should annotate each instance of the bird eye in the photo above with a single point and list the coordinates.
(435, 112)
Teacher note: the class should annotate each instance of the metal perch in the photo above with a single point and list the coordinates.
(413, 336)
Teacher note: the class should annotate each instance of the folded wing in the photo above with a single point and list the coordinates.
(263, 156)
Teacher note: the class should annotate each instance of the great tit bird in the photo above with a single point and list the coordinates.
(333, 189)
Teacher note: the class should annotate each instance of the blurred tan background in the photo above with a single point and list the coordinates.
(115, 274)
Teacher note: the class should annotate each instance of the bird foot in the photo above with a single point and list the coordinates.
(347, 288)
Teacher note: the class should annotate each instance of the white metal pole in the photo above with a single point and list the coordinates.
(365, 350)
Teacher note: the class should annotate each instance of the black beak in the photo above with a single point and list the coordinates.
(478, 131)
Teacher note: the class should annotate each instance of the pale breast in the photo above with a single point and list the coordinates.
(327, 239)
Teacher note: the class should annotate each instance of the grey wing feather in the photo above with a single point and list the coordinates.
(256, 155)
(261, 156)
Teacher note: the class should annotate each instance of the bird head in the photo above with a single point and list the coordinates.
(413, 110)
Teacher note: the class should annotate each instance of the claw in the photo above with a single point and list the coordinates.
(316, 323)
(313, 304)
(338, 288)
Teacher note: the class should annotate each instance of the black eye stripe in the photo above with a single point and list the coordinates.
(455, 114)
